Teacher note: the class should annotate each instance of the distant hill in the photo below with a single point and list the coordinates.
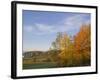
(30, 54)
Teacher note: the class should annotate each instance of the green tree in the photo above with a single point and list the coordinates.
(56, 44)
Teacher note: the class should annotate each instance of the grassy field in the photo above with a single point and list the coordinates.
(39, 65)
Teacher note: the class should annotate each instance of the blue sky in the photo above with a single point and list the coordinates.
(40, 27)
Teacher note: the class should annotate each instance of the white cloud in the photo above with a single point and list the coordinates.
(76, 20)
(28, 28)
(67, 25)
(42, 27)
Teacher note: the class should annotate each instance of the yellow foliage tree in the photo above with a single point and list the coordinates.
(66, 47)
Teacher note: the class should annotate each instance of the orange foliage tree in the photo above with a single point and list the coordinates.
(82, 44)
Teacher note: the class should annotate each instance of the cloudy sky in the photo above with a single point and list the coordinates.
(40, 27)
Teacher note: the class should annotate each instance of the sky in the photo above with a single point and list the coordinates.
(40, 27)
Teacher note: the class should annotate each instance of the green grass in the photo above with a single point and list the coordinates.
(39, 65)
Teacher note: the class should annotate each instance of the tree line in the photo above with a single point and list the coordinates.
(74, 51)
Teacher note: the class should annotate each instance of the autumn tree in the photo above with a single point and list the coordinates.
(64, 45)
(66, 50)
(55, 47)
(82, 44)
